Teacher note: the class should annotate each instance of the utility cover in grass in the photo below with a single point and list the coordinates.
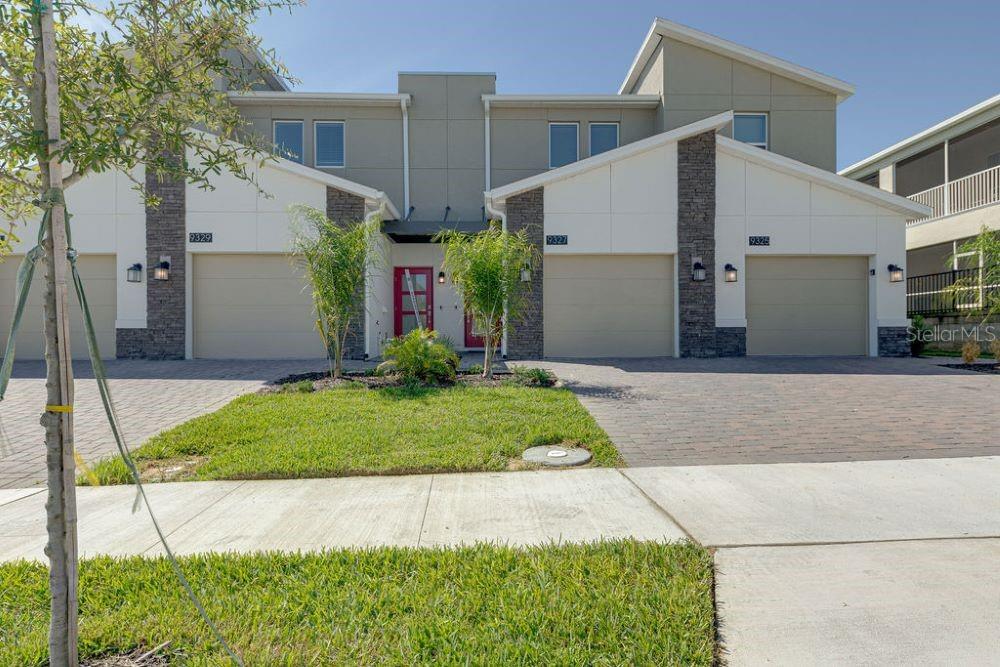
(557, 456)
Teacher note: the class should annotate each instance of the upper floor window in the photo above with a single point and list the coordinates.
(564, 144)
(329, 143)
(751, 128)
(603, 137)
(288, 139)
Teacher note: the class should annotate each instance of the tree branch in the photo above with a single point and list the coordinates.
(21, 83)
(10, 178)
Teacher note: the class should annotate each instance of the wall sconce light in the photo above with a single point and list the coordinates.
(895, 273)
(730, 273)
(162, 270)
(698, 273)
(133, 274)
(440, 277)
(526, 274)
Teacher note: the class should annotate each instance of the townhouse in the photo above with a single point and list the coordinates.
(694, 212)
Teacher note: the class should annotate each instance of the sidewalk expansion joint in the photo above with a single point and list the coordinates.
(423, 519)
(663, 510)
(849, 542)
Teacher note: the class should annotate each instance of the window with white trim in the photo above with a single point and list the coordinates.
(564, 144)
(329, 142)
(288, 140)
(603, 137)
(751, 128)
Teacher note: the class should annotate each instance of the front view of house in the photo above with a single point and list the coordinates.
(693, 213)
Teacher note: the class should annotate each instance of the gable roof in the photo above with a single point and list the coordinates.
(500, 194)
(974, 116)
(663, 28)
(825, 178)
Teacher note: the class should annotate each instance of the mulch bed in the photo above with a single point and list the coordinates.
(979, 368)
(322, 380)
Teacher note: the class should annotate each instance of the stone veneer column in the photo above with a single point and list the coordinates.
(344, 207)
(893, 342)
(525, 337)
(696, 238)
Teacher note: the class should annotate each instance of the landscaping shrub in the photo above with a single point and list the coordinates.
(995, 349)
(533, 377)
(970, 351)
(475, 369)
(917, 328)
(420, 357)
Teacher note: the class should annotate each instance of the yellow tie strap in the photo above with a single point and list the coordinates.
(59, 408)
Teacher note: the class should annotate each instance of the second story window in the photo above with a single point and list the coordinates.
(329, 143)
(603, 137)
(288, 139)
(564, 144)
(751, 128)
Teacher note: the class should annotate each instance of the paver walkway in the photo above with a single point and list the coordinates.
(876, 562)
(773, 410)
(150, 396)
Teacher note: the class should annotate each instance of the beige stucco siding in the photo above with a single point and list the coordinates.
(252, 306)
(807, 305)
(608, 306)
(98, 274)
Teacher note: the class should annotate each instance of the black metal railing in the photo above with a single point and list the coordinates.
(935, 294)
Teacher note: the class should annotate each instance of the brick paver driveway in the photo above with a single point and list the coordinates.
(769, 410)
(150, 396)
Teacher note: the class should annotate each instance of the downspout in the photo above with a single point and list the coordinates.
(494, 213)
(403, 104)
(486, 106)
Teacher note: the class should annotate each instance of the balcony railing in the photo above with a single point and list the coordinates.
(964, 194)
(934, 294)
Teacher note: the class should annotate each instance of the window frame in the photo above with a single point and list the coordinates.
(590, 135)
(302, 132)
(316, 124)
(576, 125)
(767, 128)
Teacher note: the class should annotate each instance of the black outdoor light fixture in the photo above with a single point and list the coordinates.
(895, 273)
(440, 277)
(730, 273)
(698, 273)
(162, 270)
(133, 274)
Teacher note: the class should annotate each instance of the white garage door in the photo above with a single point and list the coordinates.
(252, 307)
(98, 274)
(807, 305)
(609, 306)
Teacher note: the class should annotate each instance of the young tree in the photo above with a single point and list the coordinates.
(336, 258)
(487, 267)
(978, 293)
(72, 103)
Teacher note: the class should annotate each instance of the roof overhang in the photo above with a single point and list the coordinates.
(497, 196)
(984, 112)
(662, 28)
(340, 99)
(575, 101)
(825, 178)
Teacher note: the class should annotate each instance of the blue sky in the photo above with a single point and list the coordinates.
(913, 63)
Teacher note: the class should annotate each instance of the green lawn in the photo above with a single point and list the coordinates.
(610, 603)
(354, 430)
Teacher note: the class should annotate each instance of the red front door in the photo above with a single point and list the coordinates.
(413, 298)
(473, 338)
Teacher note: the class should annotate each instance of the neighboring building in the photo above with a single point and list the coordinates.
(710, 155)
(954, 168)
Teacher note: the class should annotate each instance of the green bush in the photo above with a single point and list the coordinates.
(419, 357)
(533, 377)
(917, 328)
(475, 369)
(300, 387)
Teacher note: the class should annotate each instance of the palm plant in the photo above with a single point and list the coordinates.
(336, 257)
(979, 292)
(486, 268)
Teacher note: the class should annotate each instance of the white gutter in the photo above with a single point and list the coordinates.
(486, 141)
(403, 105)
(342, 99)
(641, 101)
(492, 213)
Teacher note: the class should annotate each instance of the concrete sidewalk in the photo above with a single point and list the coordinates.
(862, 562)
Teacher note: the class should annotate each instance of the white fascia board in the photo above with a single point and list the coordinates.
(639, 101)
(681, 33)
(821, 176)
(343, 99)
(501, 194)
(989, 109)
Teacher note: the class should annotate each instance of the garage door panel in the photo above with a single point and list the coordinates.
(608, 306)
(807, 305)
(98, 275)
(252, 307)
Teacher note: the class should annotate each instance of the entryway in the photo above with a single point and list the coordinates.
(413, 298)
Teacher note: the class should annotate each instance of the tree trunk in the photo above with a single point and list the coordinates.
(58, 423)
